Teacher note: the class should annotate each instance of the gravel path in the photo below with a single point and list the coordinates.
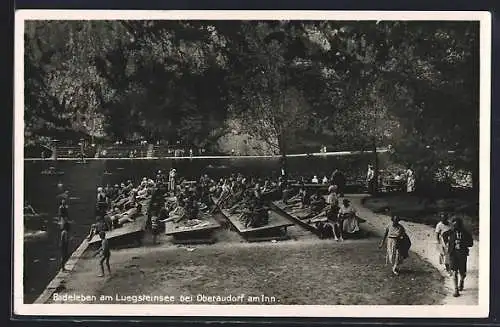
(423, 244)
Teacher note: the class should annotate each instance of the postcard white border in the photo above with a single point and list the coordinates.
(436, 311)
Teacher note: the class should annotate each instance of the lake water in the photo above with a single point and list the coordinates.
(41, 254)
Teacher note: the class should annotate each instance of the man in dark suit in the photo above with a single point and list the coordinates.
(459, 241)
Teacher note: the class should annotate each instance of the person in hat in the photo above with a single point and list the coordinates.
(394, 236)
(459, 241)
(442, 227)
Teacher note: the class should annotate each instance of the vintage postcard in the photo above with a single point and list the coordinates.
(252, 163)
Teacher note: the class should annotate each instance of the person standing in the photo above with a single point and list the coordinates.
(338, 179)
(102, 202)
(332, 195)
(64, 244)
(155, 227)
(63, 213)
(397, 244)
(171, 180)
(442, 227)
(410, 180)
(104, 254)
(333, 218)
(459, 241)
(370, 179)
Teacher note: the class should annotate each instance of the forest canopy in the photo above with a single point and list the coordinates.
(289, 84)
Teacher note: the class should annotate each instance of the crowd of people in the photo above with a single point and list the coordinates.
(171, 198)
(400, 181)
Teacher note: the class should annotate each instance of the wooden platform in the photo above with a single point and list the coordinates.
(276, 229)
(131, 231)
(311, 185)
(197, 234)
(303, 217)
(297, 215)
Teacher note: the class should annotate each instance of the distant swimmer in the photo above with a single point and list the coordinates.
(60, 185)
(64, 245)
(28, 209)
(63, 195)
(63, 214)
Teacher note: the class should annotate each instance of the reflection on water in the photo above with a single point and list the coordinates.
(79, 183)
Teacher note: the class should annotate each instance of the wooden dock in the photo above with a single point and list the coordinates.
(196, 234)
(131, 232)
(302, 217)
(276, 229)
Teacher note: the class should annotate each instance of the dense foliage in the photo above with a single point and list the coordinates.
(290, 84)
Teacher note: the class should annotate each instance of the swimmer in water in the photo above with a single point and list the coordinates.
(28, 209)
(64, 195)
(60, 185)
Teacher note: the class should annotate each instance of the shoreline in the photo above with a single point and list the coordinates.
(313, 154)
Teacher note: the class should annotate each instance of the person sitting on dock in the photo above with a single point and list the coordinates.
(317, 203)
(132, 200)
(155, 227)
(163, 214)
(114, 215)
(332, 216)
(102, 201)
(286, 191)
(143, 192)
(305, 199)
(191, 208)
(255, 214)
(348, 217)
(179, 211)
(332, 195)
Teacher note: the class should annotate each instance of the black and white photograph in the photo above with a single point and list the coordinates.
(234, 163)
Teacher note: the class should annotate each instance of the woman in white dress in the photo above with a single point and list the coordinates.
(348, 217)
(410, 180)
(442, 227)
